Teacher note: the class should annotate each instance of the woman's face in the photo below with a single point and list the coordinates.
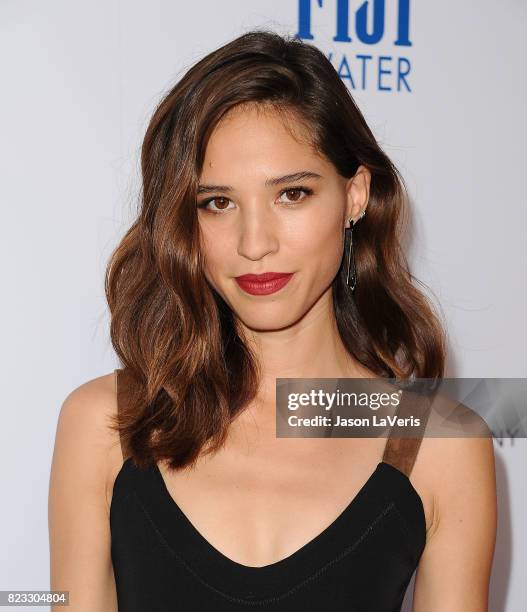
(269, 203)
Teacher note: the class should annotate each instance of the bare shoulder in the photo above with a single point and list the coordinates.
(94, 400)
(455, 466)
(85, 455)
(457, 470)
(84, 435)
(88, 409)
(456, 456)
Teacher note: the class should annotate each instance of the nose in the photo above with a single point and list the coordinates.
(258, 232)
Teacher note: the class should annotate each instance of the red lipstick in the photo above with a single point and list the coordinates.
(263, 284)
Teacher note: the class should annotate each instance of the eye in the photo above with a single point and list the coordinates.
(221, 206)
(221, 202)
(295, 190)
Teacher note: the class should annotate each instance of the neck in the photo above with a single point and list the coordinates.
(310, 348)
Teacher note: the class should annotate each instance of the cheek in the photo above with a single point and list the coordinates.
(217, 253)
(319, 242)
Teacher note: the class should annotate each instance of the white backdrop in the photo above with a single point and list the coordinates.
(79, 82)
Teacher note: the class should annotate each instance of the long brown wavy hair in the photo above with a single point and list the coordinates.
(188, 371)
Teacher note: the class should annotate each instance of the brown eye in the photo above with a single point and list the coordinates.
(220, 203)
(293, 194)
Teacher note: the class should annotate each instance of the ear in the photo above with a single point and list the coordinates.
(357, 193)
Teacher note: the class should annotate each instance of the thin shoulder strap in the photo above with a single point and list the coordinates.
(401, 452)
(122, 393)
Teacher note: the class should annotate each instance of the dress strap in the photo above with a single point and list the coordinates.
(401, 452)
(122, 393)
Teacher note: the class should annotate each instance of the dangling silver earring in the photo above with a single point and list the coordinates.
(351, 275)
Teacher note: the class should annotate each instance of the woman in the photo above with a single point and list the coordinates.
(169, 488)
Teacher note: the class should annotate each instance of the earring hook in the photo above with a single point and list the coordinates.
(351, 275)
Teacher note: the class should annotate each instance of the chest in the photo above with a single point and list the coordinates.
(259, 506)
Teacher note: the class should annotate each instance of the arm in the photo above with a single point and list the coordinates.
(455, 567)
(78, 511)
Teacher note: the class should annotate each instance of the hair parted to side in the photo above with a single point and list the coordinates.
(188, 371)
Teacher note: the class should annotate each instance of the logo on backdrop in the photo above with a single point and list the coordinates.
(370, 45)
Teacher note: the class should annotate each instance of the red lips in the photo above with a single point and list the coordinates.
(263, 284)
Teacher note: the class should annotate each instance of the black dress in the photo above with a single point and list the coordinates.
(363, 561)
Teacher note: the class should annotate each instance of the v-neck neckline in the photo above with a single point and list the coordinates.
(304, 549)
(385, 504)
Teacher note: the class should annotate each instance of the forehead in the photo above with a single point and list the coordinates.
(255, 136)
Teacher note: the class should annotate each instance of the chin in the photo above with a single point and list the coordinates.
(267, 318)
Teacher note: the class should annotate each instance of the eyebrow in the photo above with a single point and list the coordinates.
(277, 180)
